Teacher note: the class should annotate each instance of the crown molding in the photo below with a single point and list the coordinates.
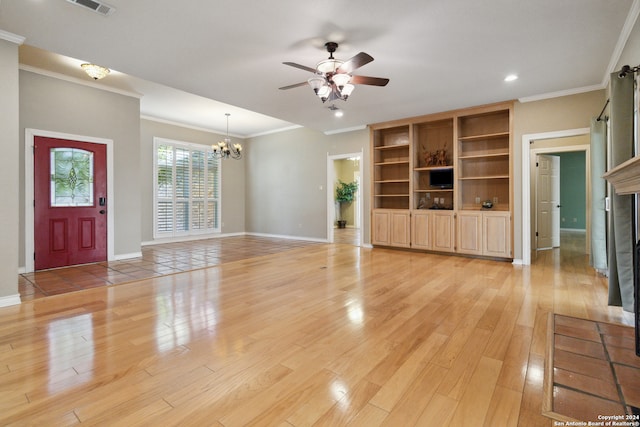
(188, 126)
(561, 93)
(345, 130)
(632, 17)
(269, 132)
(10, 37)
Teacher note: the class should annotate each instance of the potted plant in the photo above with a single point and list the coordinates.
(345, 192)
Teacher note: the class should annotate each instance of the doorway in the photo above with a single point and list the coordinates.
(83, 144)
(563, 221)
(346, 168)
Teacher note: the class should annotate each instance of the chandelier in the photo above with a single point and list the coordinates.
(95, 71)
(224, 149)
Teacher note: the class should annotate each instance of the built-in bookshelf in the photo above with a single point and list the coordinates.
(452, 163)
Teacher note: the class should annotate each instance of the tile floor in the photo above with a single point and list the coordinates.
(595, 370)
(156, 260)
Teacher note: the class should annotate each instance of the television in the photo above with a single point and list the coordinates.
(441, 178)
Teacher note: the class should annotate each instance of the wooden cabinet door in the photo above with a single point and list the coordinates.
(380, 232)
(401, 228)
(470, 232)
(496, 227)
(444, 231)
(421, 230)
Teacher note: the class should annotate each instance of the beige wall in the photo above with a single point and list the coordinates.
(233, 175)
(287, 181)
(9, 172)
(56, 105)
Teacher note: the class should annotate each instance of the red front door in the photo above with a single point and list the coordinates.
(70, 179)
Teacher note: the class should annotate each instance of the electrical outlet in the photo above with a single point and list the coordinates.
(495, 200)
(428, 195)
(477, 199)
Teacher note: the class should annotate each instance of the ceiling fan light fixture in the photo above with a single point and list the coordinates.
(316, 82)
(324, 91)
(341, 79)
(97, 72)
(347, 90)
(333, 79)
(328, 66)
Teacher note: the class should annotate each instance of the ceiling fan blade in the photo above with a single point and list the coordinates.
(373, 81)
(302, 67)
(354, 63)
(293, 86)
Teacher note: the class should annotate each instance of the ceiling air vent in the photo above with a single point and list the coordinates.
(98, 7)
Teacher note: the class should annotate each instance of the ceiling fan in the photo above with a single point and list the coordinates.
(333, 79)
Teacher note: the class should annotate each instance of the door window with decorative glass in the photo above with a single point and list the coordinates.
(187, 189)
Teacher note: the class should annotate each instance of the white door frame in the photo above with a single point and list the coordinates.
(527, 140)
(331, 204)
(29, 217)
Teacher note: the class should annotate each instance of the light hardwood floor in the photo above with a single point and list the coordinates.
(321, 335)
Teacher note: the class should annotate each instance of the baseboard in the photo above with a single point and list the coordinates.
(191, 238)
(517, 262)
(121, 257)
(282, 236)
(10, 300)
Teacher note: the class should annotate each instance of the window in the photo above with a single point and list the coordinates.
(71, 177)
(187, 189)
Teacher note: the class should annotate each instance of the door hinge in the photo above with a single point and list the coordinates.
(536, 164)
(34, 256)
(536, 234)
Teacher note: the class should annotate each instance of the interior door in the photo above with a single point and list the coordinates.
(555, 201)
(547, 201)
(70, 206)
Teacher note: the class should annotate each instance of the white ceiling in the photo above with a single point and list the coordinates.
(193, 61)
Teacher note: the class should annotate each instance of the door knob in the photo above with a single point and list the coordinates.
(102, 211)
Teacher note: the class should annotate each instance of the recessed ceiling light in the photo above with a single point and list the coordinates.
(511, 77)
